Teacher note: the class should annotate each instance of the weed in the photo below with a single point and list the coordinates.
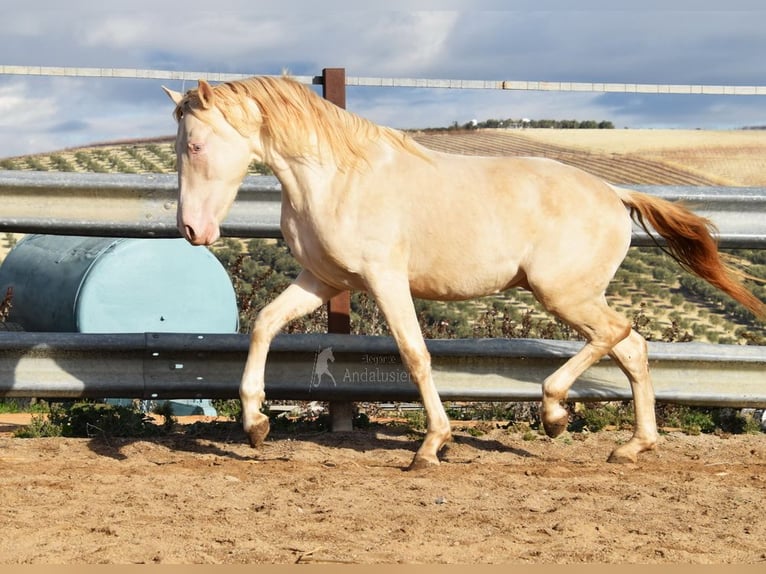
(165, 410)
(89, 419)
(229, 408)
(416, 420)
(479, 429)
(11, 406)
(691, 420)
(361, 421)
(735, 421)
(750, 425)
(595, 417)
(39, 427)
(299, 424)
(516, 414)
(6, 304)
(23, 406)
(529, 436)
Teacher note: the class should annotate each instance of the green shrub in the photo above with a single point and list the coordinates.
(23, 406)
(229, 408)
(89, 419)
(39, 427)
(165, 410)
(691, 420)
(598, 416)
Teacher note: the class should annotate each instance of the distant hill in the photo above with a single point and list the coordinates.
(651, 157)
(616, 168)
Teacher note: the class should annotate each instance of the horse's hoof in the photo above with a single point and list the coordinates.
(554, 428)
(423, 463)
(628, 452)
(618, 457)
(258, 433)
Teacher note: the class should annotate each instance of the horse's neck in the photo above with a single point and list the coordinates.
(305, 182)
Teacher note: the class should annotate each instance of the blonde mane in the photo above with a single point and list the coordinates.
(299, 121)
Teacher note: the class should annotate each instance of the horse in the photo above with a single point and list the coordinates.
(365, 207)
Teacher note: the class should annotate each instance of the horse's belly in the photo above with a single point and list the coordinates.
(457, 284)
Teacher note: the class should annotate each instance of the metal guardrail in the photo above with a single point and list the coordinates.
(127, 205)
(123, 205)
(166, 366)
(156, 366)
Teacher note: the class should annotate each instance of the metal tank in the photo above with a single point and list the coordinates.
(119, 285)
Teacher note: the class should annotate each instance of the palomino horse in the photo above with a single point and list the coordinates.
(365, 207)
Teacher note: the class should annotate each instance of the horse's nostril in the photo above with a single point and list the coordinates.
(190, 235)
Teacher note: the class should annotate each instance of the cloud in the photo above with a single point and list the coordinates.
(684, 111)
(70, 126)
(27, 118)
(649, 46)
(401, 43)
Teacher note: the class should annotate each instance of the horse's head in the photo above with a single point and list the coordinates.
(212, 160)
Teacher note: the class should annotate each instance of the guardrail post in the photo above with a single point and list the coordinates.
(339, 307)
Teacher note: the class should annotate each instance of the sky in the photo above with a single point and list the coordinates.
(659, 46)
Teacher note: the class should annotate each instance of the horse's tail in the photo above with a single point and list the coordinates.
(690, 240)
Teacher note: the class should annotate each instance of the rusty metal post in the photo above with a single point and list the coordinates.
(339, 307)
(334, 86)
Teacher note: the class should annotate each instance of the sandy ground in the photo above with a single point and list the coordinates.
(202, 496)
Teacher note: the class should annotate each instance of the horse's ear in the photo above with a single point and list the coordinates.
(205, 92)
(175, 96)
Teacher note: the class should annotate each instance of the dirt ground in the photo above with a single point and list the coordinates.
(203, 496)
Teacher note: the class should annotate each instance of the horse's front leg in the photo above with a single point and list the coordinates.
(303, 296)
(392, 294)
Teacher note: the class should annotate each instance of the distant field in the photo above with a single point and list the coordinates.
(155, 156)
(735, 157)
(659, 157)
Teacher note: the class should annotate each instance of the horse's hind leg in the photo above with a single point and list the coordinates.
(603, 328)
(607, 332)
(631, 355)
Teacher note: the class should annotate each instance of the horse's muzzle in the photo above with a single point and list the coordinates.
(195, 237)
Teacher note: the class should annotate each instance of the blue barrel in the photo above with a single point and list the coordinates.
(107, 285)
